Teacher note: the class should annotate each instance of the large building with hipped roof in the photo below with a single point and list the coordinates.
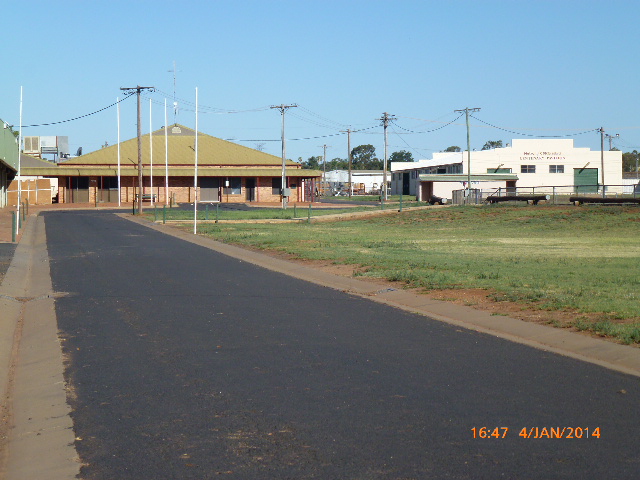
(226, 172)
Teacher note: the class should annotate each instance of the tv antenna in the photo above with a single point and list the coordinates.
(175, 102)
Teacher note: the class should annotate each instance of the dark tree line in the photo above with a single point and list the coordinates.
(363, 157)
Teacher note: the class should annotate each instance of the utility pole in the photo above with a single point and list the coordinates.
(283, 108)
(385, 123)
(466, 111)
(611, 137)
(324, 168)
(137, 90)
(348, 131)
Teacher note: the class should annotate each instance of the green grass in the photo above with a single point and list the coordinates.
(578, 259)
(317, 210)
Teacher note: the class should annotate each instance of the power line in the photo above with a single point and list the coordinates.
(429, 131)
(78, 118)
(535, 136)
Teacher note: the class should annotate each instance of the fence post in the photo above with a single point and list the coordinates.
(164, 214)
(155, 213)
(381, 202)
(14, 228)
(400, 202)
(309, 215)
(295, 212)
(217, 205)
(206, 212)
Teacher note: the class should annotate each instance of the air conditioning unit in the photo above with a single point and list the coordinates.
(32, 145)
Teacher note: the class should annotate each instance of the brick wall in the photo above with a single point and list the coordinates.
(181, 190)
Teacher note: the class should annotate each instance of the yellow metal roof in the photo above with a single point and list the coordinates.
(181, 141)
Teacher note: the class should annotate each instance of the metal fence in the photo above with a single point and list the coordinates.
(557, 194)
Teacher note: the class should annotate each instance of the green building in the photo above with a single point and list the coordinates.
(8, 160)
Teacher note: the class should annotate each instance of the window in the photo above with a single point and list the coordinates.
(556, 168)
(276, 185)
(233, 186)
(109, 183)
(527, 169)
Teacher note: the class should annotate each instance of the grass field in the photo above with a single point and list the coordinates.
(317, 210)
(581, 260)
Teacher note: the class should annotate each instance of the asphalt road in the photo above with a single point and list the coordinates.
(186, 364)
(6, 254)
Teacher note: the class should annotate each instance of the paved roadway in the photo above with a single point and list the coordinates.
(186, 364)
(6, 254)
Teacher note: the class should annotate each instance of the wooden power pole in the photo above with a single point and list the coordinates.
(137, 90)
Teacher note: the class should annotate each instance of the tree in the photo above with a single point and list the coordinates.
(453, 148)
(338, 164)
(363, 157)
(312, 163)
(401, 156)
(491, 144)
(630, 160)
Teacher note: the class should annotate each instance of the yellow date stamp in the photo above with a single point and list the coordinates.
(538, 432)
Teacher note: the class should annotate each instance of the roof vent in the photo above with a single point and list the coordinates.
(176, 130)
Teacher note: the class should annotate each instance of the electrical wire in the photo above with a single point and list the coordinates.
(405, 142)
(81, 116)
(209, 109)
(535, 136)
(617, 142)
(308, 138)
(427, 131)
(306, 110)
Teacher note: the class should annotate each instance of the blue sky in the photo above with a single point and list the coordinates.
(533, 67)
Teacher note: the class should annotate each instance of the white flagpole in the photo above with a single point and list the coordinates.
(119, 186)
(19, 165)
(151, 151)
(195, 174)
(166, 156)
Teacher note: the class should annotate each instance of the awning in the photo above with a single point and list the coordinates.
(159, 171)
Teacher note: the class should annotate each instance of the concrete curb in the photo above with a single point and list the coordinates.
(39, 430)
(610, 355)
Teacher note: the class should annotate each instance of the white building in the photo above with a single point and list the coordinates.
(364, 181)
(527, 166)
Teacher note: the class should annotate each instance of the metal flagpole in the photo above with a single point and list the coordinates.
(166, 156)
(119, 186)
(195, 174)
(151, 152)
(19, 165)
